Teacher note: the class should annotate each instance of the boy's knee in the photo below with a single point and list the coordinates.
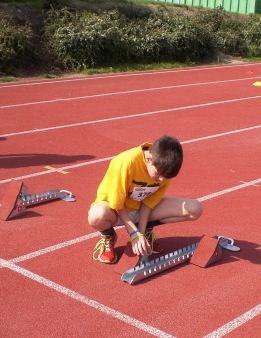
(95, 216)
(194, 208)
(197, 209)
(91, 219)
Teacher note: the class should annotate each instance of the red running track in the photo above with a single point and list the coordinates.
(50, 285)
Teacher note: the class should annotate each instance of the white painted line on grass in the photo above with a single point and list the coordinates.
(95, 234)
(233, 324)
(122, 93)
(85, 300)
(110, 158)
(128, 74)
(111, 119)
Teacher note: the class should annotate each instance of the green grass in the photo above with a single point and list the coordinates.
(8, 79)
(130, 67)
(253, 59)
(113, 68)
(48, 76)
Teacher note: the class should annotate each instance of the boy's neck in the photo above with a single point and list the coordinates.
(147, 156)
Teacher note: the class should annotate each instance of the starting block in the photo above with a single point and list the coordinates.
(17, 198)
(207, 251)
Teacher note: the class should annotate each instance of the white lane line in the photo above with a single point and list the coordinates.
(130, 74)
(131, 321)
(56, 247)
(57, 169)
(85, 300)
(233, 324)
(229, 190)
(111, 119)
(111, 157)
(221, 134)
(53, 248)
(123, 92)
(95, 234)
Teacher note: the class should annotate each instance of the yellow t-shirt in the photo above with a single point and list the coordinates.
(127, 183)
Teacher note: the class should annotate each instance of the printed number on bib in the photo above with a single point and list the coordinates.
(139, 193)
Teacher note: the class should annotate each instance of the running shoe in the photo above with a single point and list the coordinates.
(104, 249)
(151, 238)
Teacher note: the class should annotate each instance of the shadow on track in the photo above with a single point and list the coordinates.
(29, 160)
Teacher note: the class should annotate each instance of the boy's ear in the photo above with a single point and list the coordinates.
(148, 158)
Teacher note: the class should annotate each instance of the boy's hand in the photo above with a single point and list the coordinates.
(140, 246)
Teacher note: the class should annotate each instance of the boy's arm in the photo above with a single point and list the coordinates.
(140, 245)
(144, 216)
(126, 220)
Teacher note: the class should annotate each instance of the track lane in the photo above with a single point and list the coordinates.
(60, 148)
(97, 84)
(186, 301)
(76, 321)
(197, 178)
(134, 104)
(211, 172)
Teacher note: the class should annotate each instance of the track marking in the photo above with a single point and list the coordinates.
(54, 247)
(140, 325)
(111, 157)
(130, 74)
(56, 170)
(95, 234)
(130, 116)
(63, 168)
(226, 191)
(233, 324)
(123, 92)
(222, 134)
(255, 185)
(85, 300)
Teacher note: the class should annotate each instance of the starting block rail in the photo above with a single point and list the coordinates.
(17, 198)
(146, 268)
(203, 253)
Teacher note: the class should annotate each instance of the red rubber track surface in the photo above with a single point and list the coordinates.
(49, 284)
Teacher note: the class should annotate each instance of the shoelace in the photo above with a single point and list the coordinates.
(104, 245)
(151, 237)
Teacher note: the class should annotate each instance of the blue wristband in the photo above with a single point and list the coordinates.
(134, 232)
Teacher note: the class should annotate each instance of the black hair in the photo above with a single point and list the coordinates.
(167, 156)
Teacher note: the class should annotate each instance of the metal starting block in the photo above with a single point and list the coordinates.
(227, 243)
(17, 198)
(203, 253)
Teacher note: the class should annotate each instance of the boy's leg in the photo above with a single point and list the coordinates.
(174, 209)
(171, 210)
(102, 218)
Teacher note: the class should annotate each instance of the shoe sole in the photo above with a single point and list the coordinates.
(109, 262)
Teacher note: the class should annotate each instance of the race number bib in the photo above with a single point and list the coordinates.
(139, 193)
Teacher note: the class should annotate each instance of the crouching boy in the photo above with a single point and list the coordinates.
(132, 194)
